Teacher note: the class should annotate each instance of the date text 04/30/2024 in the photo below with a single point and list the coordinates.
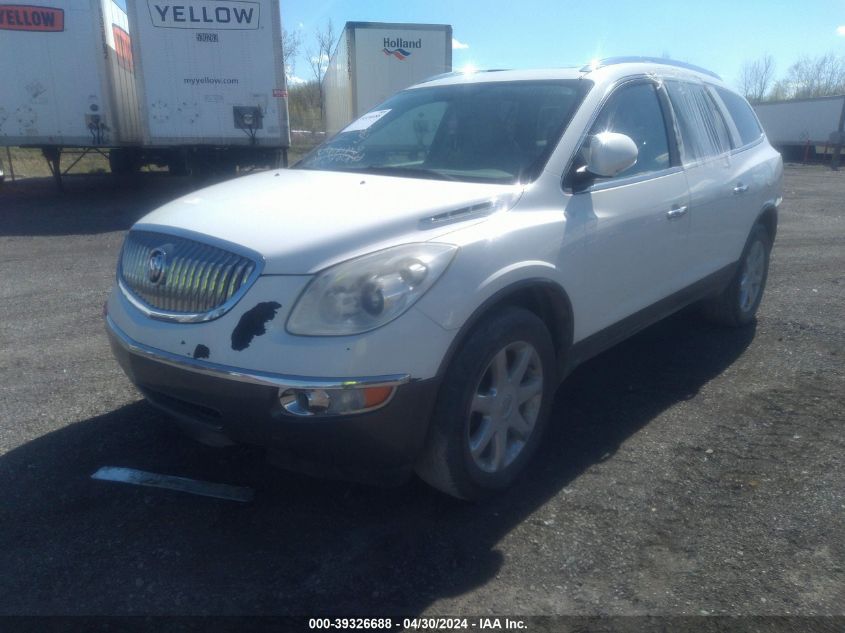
(418, 624)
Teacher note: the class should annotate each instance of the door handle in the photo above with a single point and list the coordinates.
(676, 212)
(740, 188)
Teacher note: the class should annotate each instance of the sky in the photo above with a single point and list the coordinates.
(717, 34)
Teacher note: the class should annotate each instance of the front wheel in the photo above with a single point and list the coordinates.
(493, 406)
(737, 305)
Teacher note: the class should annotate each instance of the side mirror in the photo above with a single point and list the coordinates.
(610, 154)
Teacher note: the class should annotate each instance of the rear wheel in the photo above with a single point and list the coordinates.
(124, 161)
(737, 305)
(493, 406)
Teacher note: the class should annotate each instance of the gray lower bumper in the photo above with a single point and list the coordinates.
(219, 404)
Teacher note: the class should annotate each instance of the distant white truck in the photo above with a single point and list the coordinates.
(797, 126)
(373, 60)
(198, 85)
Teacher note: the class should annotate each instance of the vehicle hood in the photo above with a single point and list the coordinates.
(302, 221)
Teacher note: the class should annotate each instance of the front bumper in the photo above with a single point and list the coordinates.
(221, 405)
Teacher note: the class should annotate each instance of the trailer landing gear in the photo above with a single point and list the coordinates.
(127, 161)
(53, 156)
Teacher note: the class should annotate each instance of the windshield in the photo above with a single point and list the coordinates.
(487, 132)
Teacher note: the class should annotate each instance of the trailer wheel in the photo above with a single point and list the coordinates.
(211, 164)
(177, 163)
(124, 161)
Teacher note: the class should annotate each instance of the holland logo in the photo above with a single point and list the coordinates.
(398, 53)
(400, 48)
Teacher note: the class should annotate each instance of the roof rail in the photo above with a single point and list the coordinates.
(458, 73)
(612, 61)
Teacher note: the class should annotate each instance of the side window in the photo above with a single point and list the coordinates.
(635, 111)
(743, 116)
(703, 130)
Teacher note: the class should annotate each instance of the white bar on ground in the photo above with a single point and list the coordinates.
(169, 482)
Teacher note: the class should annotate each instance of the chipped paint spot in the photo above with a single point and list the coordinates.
(201, 351)
(252, 324)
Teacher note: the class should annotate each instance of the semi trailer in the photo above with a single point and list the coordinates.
(67, 78)
(195, 85)
(804, 127)
(373, 60)
(211, 81)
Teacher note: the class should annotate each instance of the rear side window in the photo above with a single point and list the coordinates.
(635, 111)
(703, 130)
(743, 116)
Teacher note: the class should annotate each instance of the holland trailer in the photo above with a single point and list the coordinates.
(373, 60)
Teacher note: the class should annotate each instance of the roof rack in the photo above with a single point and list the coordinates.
(612, 61)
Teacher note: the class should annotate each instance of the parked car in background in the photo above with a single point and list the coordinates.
(411, 294)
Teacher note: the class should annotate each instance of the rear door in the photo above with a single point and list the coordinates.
(753, 163)
(635, 223)
(715, 191)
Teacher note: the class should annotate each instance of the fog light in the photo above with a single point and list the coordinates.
(314, 400)
(327, 402)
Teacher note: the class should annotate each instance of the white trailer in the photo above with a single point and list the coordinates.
(198, 85)
(801, 124)
(67, 77)
(211, 77)
(373, 60)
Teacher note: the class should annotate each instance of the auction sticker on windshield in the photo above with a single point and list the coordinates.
(365, 121)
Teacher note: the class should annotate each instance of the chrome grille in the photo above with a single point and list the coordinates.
(197, 281)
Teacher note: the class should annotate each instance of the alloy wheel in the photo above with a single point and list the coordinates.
(751, 281)
(505, 406)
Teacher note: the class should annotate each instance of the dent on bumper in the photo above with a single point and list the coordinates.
(221, 404)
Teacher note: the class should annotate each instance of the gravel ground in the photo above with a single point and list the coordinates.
(691, 470)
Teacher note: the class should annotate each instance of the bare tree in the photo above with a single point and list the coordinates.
(319, 54)
(756, 77)
(320, 51)
(291, 43)
(780, 90)
(817, 77)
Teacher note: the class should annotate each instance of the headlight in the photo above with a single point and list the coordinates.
(367, 292)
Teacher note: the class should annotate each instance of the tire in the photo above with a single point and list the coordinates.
(484, 428)
(177, 162)
(737, 305)
(209, 164)
(124, 162)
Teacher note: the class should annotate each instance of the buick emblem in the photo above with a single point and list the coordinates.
(156, 266)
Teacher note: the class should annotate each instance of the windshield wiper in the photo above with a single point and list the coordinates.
(410, 172)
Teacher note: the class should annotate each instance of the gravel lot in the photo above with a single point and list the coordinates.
(691, 470)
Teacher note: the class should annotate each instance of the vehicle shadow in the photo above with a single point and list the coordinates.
(72, 545)
(89, 203)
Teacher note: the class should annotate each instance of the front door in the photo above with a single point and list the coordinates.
(636, 223)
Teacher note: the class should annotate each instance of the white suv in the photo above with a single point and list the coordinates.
(412, 293)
